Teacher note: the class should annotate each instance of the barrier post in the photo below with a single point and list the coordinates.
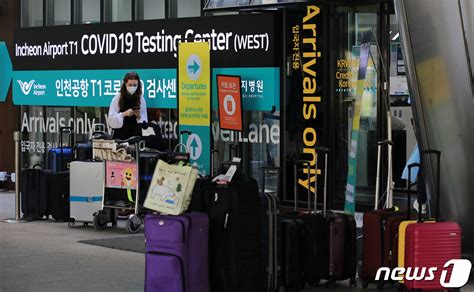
(17, 219)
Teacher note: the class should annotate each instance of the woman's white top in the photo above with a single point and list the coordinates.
(116, 117)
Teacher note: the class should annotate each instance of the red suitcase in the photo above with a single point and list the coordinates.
(375, 227)
(374, 247)
(431, 245)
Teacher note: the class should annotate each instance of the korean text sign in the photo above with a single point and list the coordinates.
(230, 102)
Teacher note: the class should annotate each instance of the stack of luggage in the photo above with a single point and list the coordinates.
(399, 240)
(45, 192)
(235, 237)
(317, 245)
(251, 246)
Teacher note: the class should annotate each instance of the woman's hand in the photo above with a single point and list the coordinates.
(137, 114)
(128, 113)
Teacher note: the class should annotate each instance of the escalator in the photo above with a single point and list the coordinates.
(438, 45)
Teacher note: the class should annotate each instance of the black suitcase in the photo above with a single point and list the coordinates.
(292, 249)
(342, 249)
(83, 151)
(59, 195)
(147, 165)
(235, 253)
(34, 193)
(315, 258)
(271, 233)
(339, 260)
(155, 141)
(58, 181)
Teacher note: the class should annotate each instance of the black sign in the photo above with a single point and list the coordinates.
(306, 102)
(235, 41)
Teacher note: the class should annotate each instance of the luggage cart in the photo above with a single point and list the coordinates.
(109, 212)
(122, 180)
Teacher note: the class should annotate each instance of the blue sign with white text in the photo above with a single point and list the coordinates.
(260, 87)
(90, 87)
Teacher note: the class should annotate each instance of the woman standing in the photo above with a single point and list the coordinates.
(128, 108)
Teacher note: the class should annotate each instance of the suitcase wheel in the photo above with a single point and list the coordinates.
(352, 283)
(330, 284)
(380, 284)
(401, 288)
(365, 284)
(71, 224)
(100, 221)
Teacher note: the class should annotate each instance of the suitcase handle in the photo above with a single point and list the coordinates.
(380, 144)
(99, 128)
(64, 130)
(296, 163)
(233, 151)
(385, 142)
(38, 165)
(270, 169)
(324, 150)
(214, 159)
(182, 133)
(410, 167)
(131, 140)
(438, 179)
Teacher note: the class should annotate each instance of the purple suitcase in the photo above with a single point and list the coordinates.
(177, 253)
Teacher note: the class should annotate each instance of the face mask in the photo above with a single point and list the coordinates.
(132, 89)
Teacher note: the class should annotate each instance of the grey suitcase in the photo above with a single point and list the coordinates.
(86, 190)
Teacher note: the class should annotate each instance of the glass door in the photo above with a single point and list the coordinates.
(354, 95)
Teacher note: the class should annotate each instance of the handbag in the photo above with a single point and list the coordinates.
(110, 150)
(171, 188)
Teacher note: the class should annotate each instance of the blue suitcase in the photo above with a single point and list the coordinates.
(59, 158)
(59, 162)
